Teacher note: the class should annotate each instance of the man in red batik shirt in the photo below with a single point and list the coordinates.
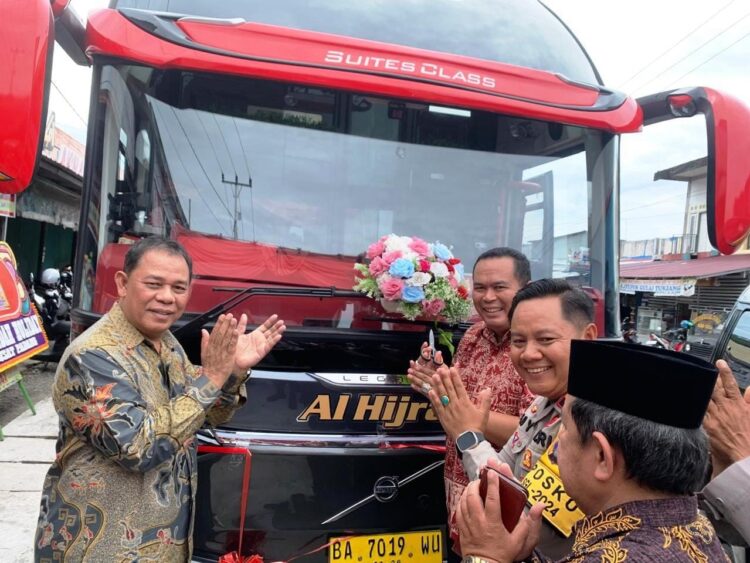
(483, 362)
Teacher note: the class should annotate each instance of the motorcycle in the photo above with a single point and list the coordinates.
(629, 332)
(53, 298)
(672, 339)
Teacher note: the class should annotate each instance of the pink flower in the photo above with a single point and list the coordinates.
(433, 307)
(453, 282)
(375, 249)
(424, 266)
(419, 246)
(390, 257)
(391, 288)
(377, 266)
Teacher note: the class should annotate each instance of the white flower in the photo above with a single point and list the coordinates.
(395, 242)
(439, 269)
(382, 278)
(419, 279)
(410, 255)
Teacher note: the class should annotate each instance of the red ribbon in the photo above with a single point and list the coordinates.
(236, 556)
(407, 445)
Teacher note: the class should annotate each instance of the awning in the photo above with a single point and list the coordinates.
(698, 268)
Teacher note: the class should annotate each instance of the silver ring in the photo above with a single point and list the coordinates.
(426, 387)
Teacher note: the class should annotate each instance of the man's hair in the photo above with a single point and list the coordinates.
(521, 266)
(136, 252)
(662, 458)
(577, 307)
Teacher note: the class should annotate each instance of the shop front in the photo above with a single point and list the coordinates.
(659, 295)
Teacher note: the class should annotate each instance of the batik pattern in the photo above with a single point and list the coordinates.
(122, 485)
(649, 531)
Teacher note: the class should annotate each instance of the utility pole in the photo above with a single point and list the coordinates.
(236, 189)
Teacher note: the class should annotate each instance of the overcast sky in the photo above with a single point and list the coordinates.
(639, 47)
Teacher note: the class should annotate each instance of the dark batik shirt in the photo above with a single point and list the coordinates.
(122, 485)
(649, 531)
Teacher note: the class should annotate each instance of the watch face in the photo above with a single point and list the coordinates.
(466, 440)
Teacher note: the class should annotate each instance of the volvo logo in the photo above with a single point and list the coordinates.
(386, 488)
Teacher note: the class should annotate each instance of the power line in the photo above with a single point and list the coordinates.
(198, 160)
(184, 167)
(199, 115)
(78, 115)
(712, 57)
(657, 202)
(712, 38)
(247, 165)
(658, 57)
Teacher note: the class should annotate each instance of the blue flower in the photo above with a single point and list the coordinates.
(441, 251)
(401, 268)
(459, 268)
(412, 294)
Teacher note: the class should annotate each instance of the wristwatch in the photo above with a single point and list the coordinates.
(467, 440)
(473, 559)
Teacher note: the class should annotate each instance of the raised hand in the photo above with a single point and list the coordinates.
(455, 410)
(253, 347)
(218, 349)
(420, 372)
(727, 421)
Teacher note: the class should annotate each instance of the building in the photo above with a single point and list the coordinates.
(666, 281)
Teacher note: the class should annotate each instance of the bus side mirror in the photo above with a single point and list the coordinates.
(728, 165)
(25, 76)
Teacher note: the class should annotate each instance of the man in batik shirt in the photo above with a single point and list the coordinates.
(632, 462)
(483, 362)
(122, 486)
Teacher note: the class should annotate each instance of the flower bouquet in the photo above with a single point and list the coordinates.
(415, 278)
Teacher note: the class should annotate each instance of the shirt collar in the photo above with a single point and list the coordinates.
(131, 336)
(492, 336)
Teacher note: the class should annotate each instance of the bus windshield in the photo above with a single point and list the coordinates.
(239, 165)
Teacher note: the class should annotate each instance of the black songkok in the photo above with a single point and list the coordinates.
(663, 386)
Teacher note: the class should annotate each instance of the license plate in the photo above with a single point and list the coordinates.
(408, 547)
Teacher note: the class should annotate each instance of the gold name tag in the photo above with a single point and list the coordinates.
(544, 485)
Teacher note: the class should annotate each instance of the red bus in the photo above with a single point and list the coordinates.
(276, 142)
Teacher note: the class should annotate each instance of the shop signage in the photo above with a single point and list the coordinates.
(21, 332)
(681, 287)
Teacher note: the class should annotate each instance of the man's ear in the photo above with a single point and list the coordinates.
(605, 454)
(590, 332)
(121, 280)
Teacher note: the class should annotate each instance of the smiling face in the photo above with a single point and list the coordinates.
(540, 344)
(154, 295)
(495, 285)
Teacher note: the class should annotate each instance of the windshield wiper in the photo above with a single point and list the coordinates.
(212, 314)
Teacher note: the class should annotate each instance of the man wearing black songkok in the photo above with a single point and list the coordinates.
(631, 453)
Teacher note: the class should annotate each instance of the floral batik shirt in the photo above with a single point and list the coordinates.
(648, 531)
(122, 486)
(483, 361)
